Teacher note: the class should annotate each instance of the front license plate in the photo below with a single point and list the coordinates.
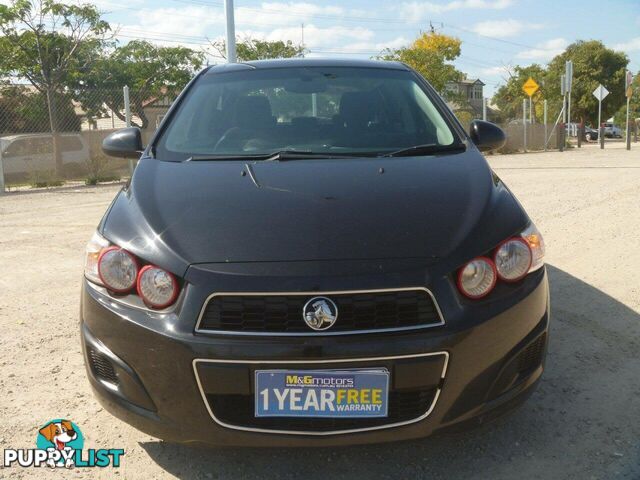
(322, 393)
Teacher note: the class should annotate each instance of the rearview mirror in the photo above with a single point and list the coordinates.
(126, 143)
(487, 136)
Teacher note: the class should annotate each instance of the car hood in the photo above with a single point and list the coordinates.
(178, 214)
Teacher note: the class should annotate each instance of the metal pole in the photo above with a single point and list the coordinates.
(127, 116)
(628, 126)
(545, 123)
(524, 121)
(231, 32)
(530, 111)
(484, 109)
(1, 176)
(600, 129)
(569, 110)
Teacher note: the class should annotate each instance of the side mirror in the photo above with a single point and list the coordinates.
(126, 143)
(487, 136)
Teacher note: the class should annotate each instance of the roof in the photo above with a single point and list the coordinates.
(307, 62)
(468, 81)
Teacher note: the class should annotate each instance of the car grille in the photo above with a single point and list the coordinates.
(238, 410)
(357, 311)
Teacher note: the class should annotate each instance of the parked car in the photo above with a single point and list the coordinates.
(612, 131)
(28, 153)
(590, 134)
(312, 252)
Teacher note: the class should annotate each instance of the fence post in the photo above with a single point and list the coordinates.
(1, 176)
(127, 116)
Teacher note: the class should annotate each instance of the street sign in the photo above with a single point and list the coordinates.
(628, 88)
(563, 85)
(530, 87)
(568, 75)
(600, 93)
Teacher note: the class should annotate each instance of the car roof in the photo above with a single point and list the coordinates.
(306, 62)
(39, 135)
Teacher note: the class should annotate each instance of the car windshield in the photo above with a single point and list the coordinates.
(322, 110)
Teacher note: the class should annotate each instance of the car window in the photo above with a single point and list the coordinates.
(315, 109)
(70, 144)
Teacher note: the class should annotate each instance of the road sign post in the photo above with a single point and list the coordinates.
(545, 124)
(600, 93)
(569, 80)
(530, 87)
(524, 121)
(628, 92)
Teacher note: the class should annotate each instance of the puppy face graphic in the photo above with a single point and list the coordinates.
(59, 433)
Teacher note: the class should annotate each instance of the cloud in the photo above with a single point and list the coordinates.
(632, 45)
(416, 11)
(495, 71)
(503, 28)
(545, 51)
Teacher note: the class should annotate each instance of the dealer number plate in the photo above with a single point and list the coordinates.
(322, 393)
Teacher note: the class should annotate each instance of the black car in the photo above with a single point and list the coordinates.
(312, 252)
(590, 134)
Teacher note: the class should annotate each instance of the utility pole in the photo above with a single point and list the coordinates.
(127, 116)
(484, 109)
(231, 32)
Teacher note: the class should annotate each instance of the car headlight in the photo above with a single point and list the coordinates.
(536, 243)
(120, 272)
(510, 262)
(92, 253)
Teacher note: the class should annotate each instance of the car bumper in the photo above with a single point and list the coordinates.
(152, 371)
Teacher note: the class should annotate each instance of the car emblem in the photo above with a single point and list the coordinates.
(320, 313)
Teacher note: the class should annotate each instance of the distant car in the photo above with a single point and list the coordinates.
(612, 131)
(33, 152)
(590, 134)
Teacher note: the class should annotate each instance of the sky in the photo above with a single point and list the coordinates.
(495, 34)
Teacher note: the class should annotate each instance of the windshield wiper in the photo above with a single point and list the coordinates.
(273, 156)
(427, 149)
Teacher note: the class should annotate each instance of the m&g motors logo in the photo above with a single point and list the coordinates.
(60, 444)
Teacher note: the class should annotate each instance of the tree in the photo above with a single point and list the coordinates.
(429, 54)
(593, 64)
(252, 49)
(634, 106)
(49, 43)
(509, 96)
(149, 70)
(25, 111)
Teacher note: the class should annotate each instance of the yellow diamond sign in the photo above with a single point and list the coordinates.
(530, 86)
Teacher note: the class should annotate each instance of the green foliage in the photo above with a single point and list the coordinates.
(25, 111)
(253, 49)
(47, 42)
(509, 97)
(429, 55)
(634, 106)
(593, 64)
(149, 70)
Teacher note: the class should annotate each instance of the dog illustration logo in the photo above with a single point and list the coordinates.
(62, 435)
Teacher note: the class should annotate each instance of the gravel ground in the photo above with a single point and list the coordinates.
(583, 422)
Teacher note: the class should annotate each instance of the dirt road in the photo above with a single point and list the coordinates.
(583, 422)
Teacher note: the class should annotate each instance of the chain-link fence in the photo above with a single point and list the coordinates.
(46, 140)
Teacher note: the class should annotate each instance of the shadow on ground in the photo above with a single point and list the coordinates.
(582, 422)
